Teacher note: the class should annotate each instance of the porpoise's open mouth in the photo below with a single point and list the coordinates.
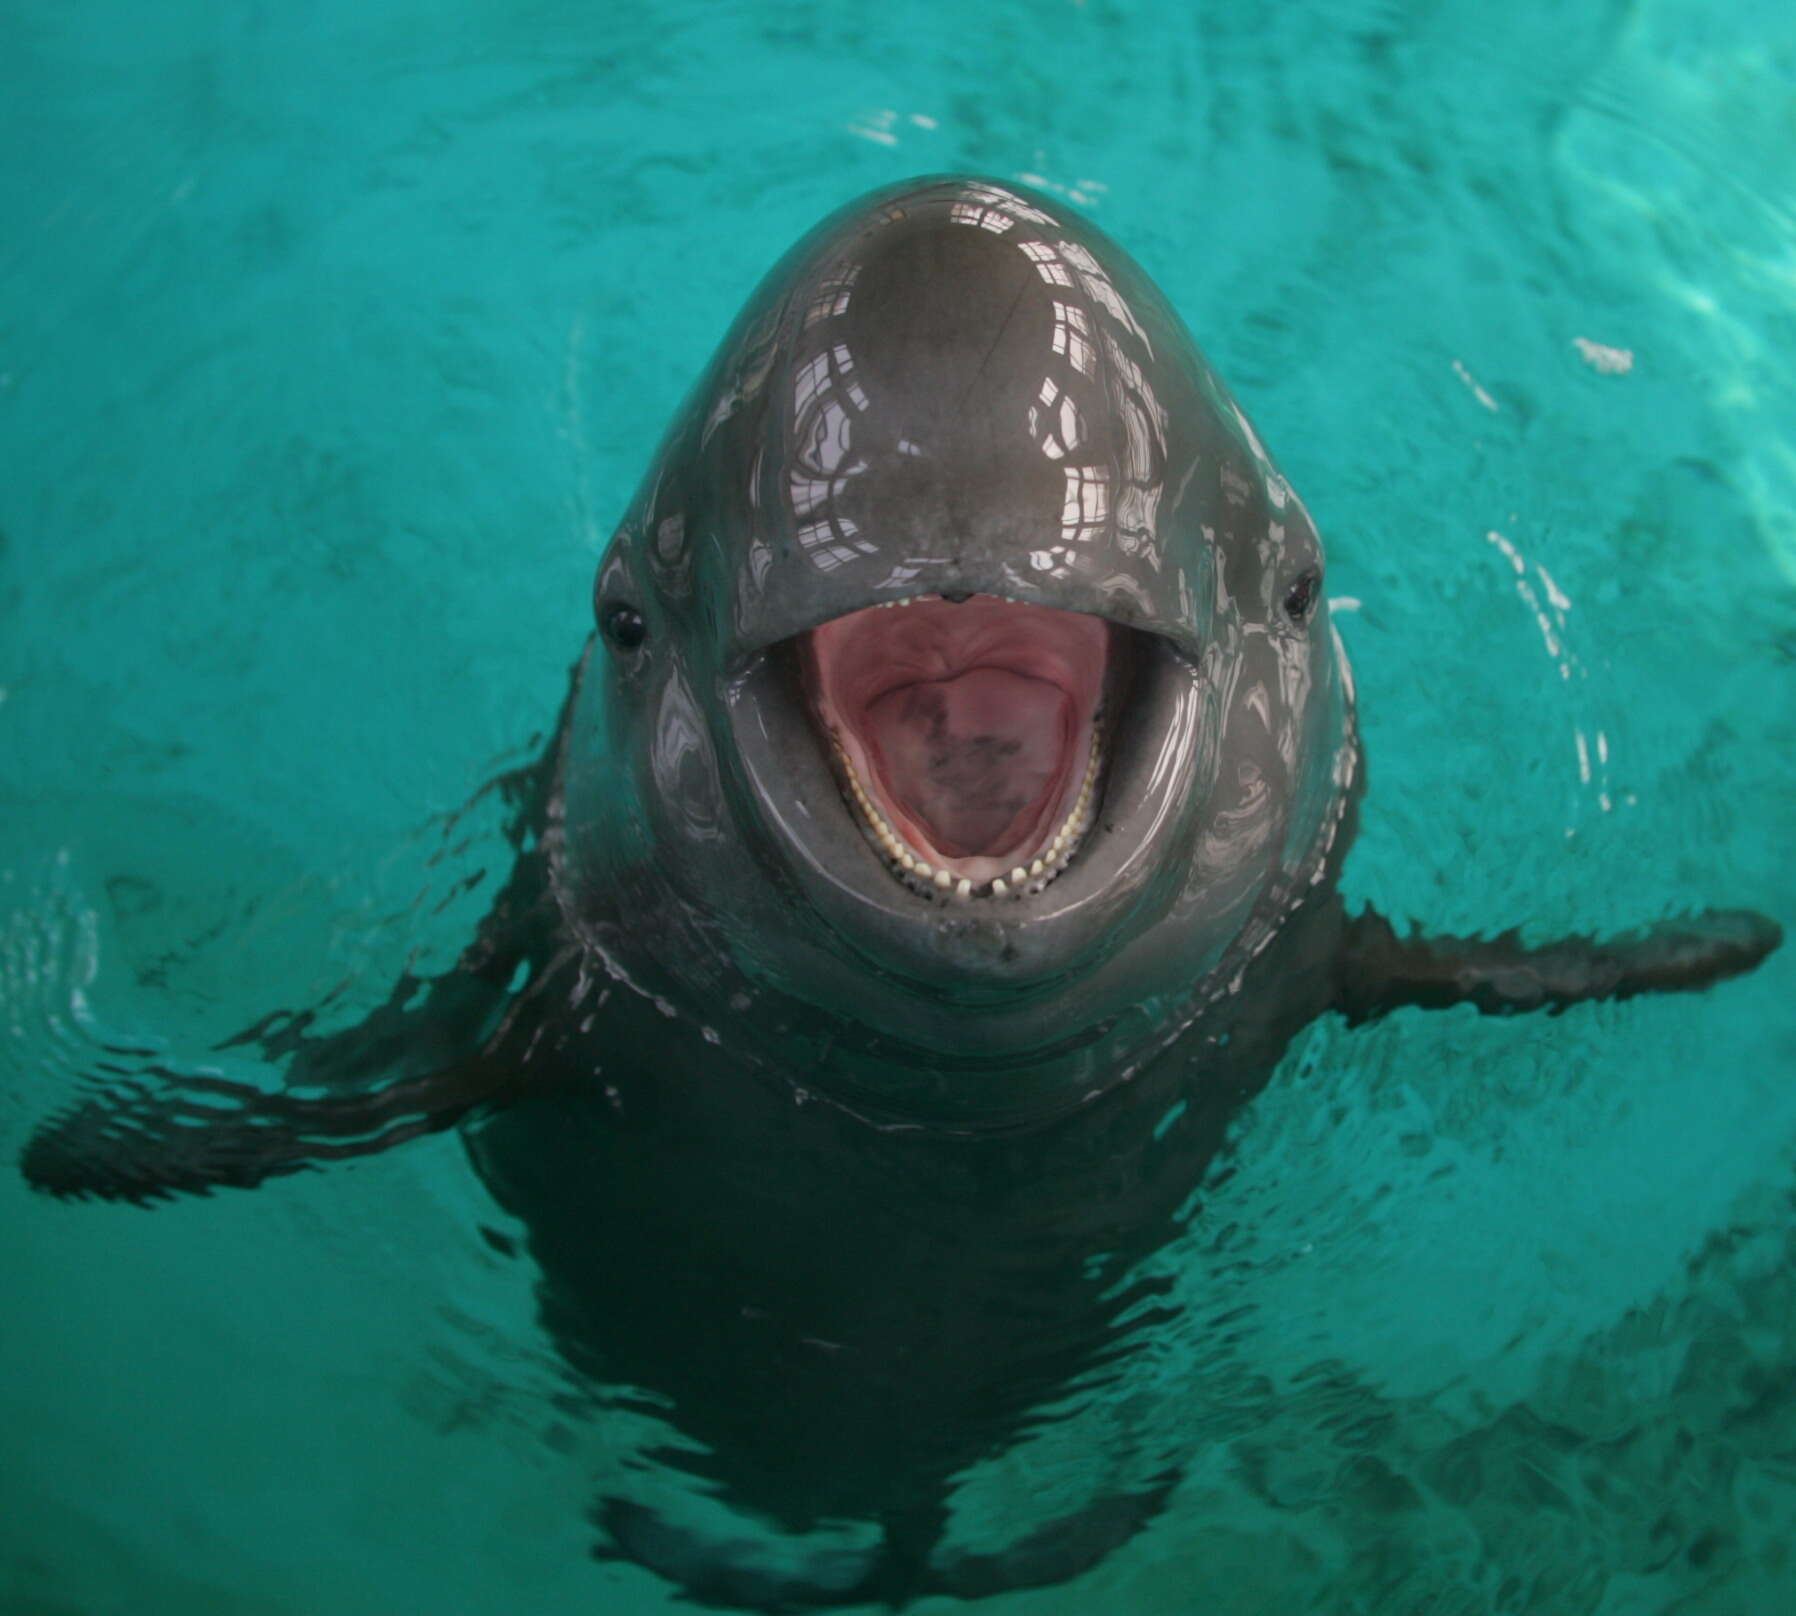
(967, 735)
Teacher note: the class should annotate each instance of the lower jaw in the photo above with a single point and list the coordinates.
(940, 880)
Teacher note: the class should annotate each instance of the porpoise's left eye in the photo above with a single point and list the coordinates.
(1300, 598)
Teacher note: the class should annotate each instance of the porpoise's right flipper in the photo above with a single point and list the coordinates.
(147, 1129)
(1381, 971)
(142, 1128)
(154, 1130)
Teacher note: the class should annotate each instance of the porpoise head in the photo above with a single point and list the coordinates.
(963, 668)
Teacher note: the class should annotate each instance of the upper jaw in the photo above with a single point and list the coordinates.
(766, 607)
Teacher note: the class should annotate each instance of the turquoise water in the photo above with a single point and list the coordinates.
(303, 319)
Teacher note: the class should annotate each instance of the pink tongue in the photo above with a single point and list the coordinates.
(972, 757)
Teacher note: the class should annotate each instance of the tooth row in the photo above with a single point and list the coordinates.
(918, 874)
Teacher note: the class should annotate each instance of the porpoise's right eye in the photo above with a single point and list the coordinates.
(623, 626)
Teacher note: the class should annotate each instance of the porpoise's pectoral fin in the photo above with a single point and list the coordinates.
(143, 1128)
(147, 1128)
(164, 1131)
(1381, 971)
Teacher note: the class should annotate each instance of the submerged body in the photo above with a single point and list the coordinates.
(842, 1317)
(940, 841)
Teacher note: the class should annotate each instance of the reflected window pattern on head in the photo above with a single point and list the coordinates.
(834, 292)
(983, 218)
(1144, 421)
(1055, 422)
(1072, 337)
(1087, 507)
(1006, 204)
(826, 397)
(1099, 288)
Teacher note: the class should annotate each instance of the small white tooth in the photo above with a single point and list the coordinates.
(998, 887)
(1017, 875)
(965, 889)
(1036, 867)
(924, 870)
(1058, 842)
(943, 879)
(907, 861)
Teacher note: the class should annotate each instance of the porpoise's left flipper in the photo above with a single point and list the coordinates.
(1381, 971)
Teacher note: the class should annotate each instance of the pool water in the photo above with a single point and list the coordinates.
(333, 337)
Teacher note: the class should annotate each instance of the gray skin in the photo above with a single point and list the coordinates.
(874, 428)
(854, 1180)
